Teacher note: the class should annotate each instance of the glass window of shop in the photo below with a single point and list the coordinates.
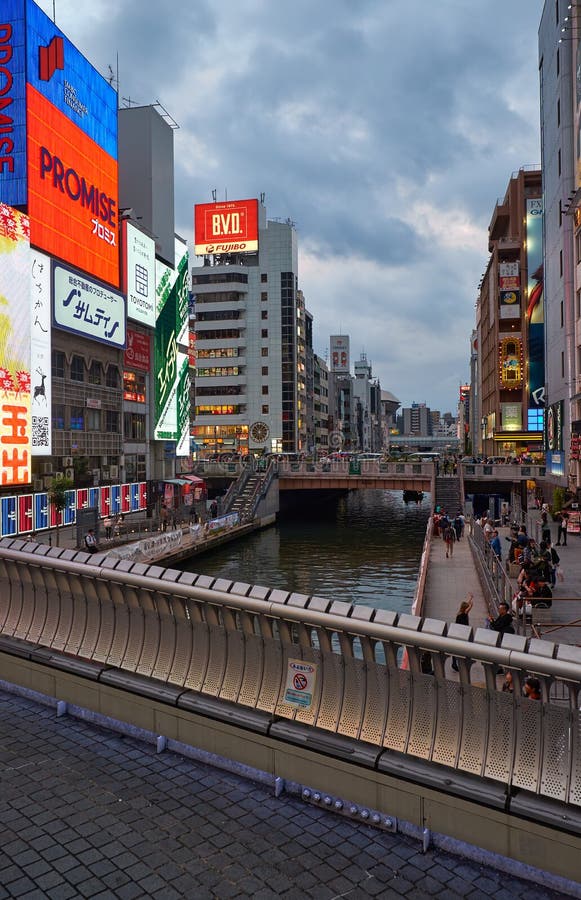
(134, 386)
(77, 418)
(93, 419)
(58, 364)
(112, 377)
(77, 368)
(134, 467)
(134, 426)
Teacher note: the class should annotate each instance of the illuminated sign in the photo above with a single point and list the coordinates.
(12, 104)
(535, 312)
(40, 361)
(87, 307)
(340, 361)
(229, 227)
(510, 363)
(137, 353)
(139, 275)
(510, 304)
(172, 383)
(554, 427)
(15, 424)
(134, 387)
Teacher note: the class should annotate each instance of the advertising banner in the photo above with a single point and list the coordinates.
(137, 352)
(340, 361)
(229, 227)
(511, 416)
(40, 350)
(13, 103)
(88, 308)
(510, 304)
(15, 421)
(72, 152)
(509, 282)
(554, 428)
(139, 275)
(172, 403)
(535, 303)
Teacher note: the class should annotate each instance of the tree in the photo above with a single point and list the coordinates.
(58, 498)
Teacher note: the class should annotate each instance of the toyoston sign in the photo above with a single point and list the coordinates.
(230, 227)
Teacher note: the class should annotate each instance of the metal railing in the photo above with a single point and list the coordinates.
(235, 642)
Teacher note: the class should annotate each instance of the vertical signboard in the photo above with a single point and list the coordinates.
(8, 523)
(172, 395)
(535, 304)
(40, 511)
(15, 425)
(139, 275)
(104, 500)
(13, 103)
(40, 354)
(25, 519)
(340, 361)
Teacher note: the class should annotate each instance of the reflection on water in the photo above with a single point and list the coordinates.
(364, 548)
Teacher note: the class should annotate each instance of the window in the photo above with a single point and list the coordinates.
(560, 213)
(562, 317)
(264, 333)
(112, 377)
(264, 295)
(558, 112)
(134, 426)
(77, 418)
(58, 364)
(112, 421)
(558, 71)
(264, 314)
(264, 351)
(93, 419)
(265, 370)
(559, 161)
(578, 247)
(578, 310)
(134, 387)
(95, 373)
(561, 262)
(263, 277)
(265, 409)
(58, 416)
(219, 371)
(77, 369)
(536, 419)
(265, 389)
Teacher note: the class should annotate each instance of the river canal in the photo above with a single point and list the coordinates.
(364, 548)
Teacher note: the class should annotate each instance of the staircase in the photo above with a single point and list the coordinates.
(448, 493)
(243, 501)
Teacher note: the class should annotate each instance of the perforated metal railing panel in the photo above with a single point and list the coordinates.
(207, 640)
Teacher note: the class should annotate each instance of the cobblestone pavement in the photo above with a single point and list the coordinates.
(87, 813)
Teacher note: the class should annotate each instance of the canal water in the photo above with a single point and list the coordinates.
(363, 548)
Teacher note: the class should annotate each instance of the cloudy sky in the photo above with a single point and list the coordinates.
(386, 130)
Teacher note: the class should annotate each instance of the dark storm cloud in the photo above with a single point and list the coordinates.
(386, 131)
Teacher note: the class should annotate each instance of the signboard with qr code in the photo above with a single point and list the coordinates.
(40, 362)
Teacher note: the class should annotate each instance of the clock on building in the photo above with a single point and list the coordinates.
(259, 432)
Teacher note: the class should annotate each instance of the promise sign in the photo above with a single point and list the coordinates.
(229, 227)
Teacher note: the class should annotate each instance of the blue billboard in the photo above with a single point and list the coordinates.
(12, 104)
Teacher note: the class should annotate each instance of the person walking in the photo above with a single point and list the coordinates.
(108, 523)
(462, 618)
(495, 545)
(562, 519)
(449, 538)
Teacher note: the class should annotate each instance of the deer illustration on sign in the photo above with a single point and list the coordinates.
(39, 389)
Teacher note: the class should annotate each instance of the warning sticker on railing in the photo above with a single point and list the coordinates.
(300, 683)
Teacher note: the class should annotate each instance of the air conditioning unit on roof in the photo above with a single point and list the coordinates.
(67, 461)
(70, 473)
(114, 471)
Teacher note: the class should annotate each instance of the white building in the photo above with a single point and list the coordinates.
(249, 337)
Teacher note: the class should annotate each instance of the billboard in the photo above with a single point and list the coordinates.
(86, 307)
(340, 361)
(139, 275)
(509, 304)
(15, 424)
(229, 227)
(137, 353)
(12, 104)
(58, 142)
(40, 350)
(535, 304)
(171, 396)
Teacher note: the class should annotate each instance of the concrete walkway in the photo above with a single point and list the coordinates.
(449, 581)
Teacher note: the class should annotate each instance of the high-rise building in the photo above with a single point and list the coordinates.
(560, 94)
(417, 420)
(250, 339)
(509, 323)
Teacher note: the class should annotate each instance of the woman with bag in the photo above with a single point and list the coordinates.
(462, 619)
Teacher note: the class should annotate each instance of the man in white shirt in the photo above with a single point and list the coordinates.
(90, 541)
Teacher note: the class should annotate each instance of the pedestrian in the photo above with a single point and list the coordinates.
(563, 520)
(554, 560)
(503, 622)
(458, 525)
(462, 619)
(108, 523)
(545, 529)
(449, 538)
(495, 545)
(163, 514)
(90, 541)
(507, 684)
(532, 688)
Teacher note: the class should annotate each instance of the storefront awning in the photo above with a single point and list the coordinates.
(193, 479)
(175, 481)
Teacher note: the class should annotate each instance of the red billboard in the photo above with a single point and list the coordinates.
(137, 352)
(229, 227)
(72, 192)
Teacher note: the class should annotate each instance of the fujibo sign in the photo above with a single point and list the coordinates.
(230, 227)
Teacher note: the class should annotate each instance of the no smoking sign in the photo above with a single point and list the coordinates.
(300, 683)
